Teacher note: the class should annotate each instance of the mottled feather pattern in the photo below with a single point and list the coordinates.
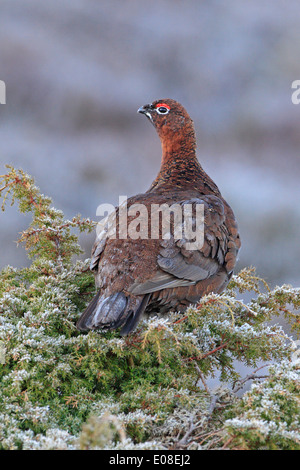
(144, 276)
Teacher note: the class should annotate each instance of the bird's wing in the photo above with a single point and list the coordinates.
(104, 230)
(183, 262)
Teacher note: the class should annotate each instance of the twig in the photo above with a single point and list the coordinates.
(199, 358)
(252, 376)
(184, 440)
(213, 397)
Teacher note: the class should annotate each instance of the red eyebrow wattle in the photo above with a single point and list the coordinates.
(163, 104)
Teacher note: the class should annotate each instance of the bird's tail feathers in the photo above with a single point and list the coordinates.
(109, 313)
(133, 318)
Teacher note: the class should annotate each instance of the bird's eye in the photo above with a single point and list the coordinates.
(162, 110)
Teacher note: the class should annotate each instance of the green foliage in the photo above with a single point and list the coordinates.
(49, 235)
(62, 390)
(268, 416)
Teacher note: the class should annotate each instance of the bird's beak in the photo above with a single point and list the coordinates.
(141, 110)
(145, 110)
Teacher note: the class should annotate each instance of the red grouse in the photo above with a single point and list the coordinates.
(147, 274)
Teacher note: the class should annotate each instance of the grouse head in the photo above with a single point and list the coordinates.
(169, 118)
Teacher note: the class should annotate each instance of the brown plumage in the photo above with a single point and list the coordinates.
(136, 276)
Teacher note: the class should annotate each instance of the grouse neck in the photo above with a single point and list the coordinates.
(178, 152)
(180, 167)
(178, 161)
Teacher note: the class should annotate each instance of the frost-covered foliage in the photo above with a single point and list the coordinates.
(64, 390)
(268, 416)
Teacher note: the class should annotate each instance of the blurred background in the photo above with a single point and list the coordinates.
(76, 72)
